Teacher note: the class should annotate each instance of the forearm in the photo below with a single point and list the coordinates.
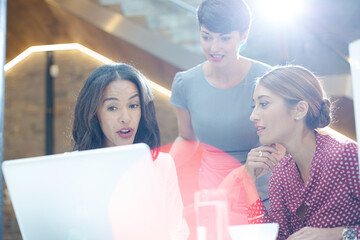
(309, 233)
(257, 213)
(182, 150)
(337, 232)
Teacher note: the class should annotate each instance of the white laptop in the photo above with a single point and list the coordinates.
(108, 193)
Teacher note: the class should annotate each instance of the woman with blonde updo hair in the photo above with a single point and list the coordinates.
(314, 189)
(295, 83)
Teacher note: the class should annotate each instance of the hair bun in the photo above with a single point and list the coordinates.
(324, 113)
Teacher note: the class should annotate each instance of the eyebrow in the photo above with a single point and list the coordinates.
(203, 31)
(221, 34)
(116, 99)
(259, 98)
(134, 96)
(263, 96)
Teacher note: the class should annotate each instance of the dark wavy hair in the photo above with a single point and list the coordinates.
(87, 133)
(224, 16)
(295, 83)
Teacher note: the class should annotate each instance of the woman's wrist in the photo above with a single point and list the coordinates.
(239, 173)
(250, 173)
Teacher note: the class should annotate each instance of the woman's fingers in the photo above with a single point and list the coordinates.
(262, 159)
(260, 166)
(265, 157)
(264, 149)
(268, 158)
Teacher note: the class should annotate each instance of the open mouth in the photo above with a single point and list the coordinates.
(125, 133)
(216, 57)
(259, 129)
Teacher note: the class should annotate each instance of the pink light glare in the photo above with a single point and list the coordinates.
(126, 208)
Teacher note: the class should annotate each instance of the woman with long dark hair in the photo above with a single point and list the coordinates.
(114, 108)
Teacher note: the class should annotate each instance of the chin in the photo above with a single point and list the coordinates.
(265, 141)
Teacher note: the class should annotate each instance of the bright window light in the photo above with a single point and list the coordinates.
(280, 12)
(79, 47)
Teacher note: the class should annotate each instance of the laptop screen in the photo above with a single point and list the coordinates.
(92, 194)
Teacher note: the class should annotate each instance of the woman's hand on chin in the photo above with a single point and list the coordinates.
(262, 159)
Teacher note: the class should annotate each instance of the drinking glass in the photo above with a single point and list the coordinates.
(211, 210)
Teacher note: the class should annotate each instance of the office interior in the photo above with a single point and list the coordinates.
(58, 43)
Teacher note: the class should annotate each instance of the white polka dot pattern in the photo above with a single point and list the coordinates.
(332, 194)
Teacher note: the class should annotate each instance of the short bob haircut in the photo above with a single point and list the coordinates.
(224, 16)
(87, 133)
(295, 83)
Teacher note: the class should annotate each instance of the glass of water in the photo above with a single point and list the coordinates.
(211, 211)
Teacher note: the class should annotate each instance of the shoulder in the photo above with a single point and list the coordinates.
(260, 67)
(189, 74)
(185, 86)
(164, 157)
(337, 149)
(164, 161)
(338, 145)
(165, 169)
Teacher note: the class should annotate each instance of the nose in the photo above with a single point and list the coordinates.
(124, 116)
(214, 45)
(254, 116)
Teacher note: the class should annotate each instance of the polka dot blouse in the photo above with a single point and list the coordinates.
(331, 198)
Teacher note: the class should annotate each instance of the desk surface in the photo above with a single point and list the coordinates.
(266, 231)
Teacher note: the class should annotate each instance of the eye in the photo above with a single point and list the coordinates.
(206, 38)
(111, 108)
(135, 105)
(263, 104)
(225, 38)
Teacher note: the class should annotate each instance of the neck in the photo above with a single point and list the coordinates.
(228, 74)
(302, 149)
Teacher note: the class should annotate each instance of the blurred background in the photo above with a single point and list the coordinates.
(160, 38)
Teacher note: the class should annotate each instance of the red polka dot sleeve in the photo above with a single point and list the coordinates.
(331, 197)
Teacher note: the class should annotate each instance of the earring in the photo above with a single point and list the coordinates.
(297, 118)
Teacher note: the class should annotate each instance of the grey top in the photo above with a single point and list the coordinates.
(219, 117)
